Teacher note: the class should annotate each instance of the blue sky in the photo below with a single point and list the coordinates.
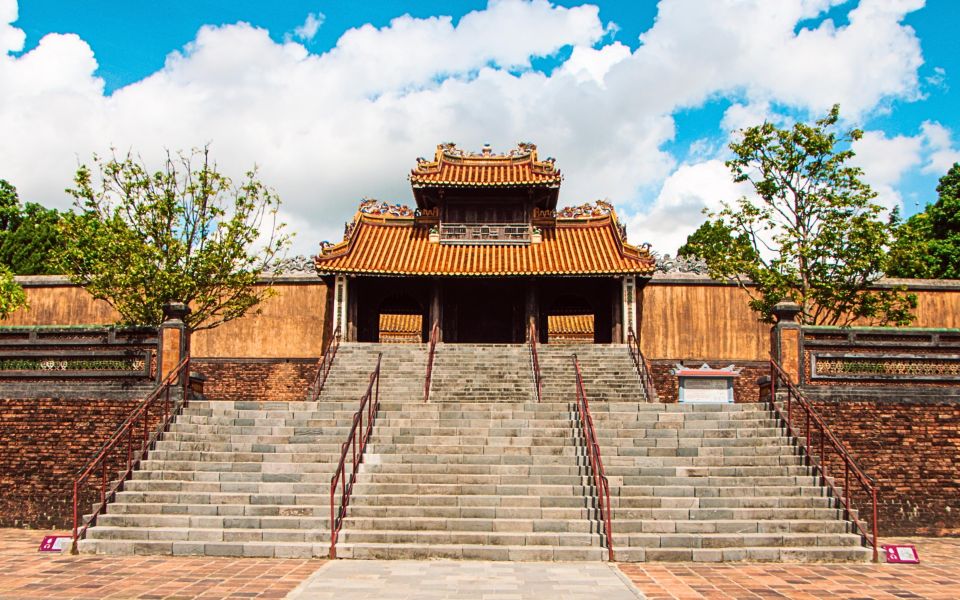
(326, 127)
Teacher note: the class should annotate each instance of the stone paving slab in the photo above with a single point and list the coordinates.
(464, 580)
(937, 577)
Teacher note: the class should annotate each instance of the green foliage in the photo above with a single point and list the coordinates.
(928, 244)
(811, 233)
(714, 240)
(29, 235)
(12, 295)
(183, 233)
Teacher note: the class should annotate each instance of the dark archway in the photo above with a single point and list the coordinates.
(570, 318)
(398, 298)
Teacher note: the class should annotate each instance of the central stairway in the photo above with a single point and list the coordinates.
(483, 471)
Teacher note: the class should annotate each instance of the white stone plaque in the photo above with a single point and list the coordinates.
(706, 389)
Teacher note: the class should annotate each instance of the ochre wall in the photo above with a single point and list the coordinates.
(702, 322)
(694, 320)
(61, 304)
(697, 320)
(939, 308)
(289, 325)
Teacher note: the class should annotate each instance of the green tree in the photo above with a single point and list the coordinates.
(928, 244)
(30, 238)
(183, 233)
(713, 240)
(814, 231)
(12, 295)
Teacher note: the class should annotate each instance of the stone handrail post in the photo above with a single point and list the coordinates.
(785, 339)
(174, 338)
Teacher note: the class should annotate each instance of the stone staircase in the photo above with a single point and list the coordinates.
(481, 472)
(708, 482)
(250, 478)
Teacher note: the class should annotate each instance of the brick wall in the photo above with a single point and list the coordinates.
(744, 387)
(912, 449)
(44, 442)
(254, 379)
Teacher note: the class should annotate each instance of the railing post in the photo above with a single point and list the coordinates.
(174, 338)
(785, 339)
(76, 515)
(876, 538)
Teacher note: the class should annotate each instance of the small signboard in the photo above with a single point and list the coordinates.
(55, 543)
(902, 553)
(706, 384)
(706, 389)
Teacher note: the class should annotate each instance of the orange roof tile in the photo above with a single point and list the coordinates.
(572, 325)
(397, 246)
(452, 167)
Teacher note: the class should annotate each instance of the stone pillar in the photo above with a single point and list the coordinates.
(435, 313)
(174, 338)
(629, 318)
(785, 339)
(616, 317)
(531, 311)
(340, 305)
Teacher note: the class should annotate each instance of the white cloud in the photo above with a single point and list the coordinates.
(11, 38)
(328, 128)
(885, 160)
(308, 30)
(679, 208)
(943, 154)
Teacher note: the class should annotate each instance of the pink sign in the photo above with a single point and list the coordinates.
(55, 543)
(902, 554)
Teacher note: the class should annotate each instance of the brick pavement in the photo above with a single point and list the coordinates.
(937, 577)
(28, 574)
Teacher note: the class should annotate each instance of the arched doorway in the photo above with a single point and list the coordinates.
(400, 320)
(571, 319)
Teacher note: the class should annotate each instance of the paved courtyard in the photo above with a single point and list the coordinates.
(464, 580)
(27, 574)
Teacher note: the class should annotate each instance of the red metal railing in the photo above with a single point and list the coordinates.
(434, 337)
(643, 369)
(816, 439)
(126, 448)
(325, 364)
(600, 483)
(537, 377)
(353, 447)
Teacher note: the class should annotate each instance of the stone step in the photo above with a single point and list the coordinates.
(188, 548)
(399, 551)
(470, 538)
(200, 534)
(210, 521)
(320, 507)
(733, 540)
(723, 502)
(787, 554)
(758, 525)
(359, 510)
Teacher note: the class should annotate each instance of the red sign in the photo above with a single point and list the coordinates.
(902, 554)
(55, 543)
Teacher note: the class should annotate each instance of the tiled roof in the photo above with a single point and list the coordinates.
(397, 246)
(570, 325)
(452, 167)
